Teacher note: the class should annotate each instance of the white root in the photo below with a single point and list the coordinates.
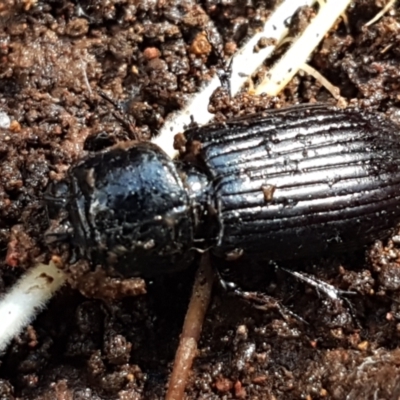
(26, 298)
(285, 69)
(332, 89)
(244, 63)
(381, 13)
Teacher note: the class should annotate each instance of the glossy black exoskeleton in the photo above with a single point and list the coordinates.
(290, 183)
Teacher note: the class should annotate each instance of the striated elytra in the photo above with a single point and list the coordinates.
(298, 182)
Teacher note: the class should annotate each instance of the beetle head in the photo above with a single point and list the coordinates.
(129, 210)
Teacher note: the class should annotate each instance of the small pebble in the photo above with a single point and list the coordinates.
(151, 52)
(396, 239)
(5, 120)
(200, 45)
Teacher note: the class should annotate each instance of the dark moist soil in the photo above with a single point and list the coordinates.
(148, 55)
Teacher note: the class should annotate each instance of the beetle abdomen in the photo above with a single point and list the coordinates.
(302, 181)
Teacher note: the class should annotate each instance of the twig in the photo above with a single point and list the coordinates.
(285, 69)
(26, 298)
(191, 330)
(245, 62)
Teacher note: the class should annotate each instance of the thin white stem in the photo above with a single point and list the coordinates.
(334, 90)
(381, 13)
(245, 62)
(27, 298)
(285, 69)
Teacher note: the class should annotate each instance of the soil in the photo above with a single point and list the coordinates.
(148, 56)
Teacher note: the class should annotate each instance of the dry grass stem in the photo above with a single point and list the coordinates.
(191, 330)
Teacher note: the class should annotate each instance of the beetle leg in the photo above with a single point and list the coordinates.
(320, 286)
(329, 290)
(259, 300)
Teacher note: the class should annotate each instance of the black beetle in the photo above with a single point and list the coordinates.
(296, 182)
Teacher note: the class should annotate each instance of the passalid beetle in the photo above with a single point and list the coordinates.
(290, 183)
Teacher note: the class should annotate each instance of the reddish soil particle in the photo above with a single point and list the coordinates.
(200, 45)
(19, 247)
(223, 384)
(149, 56)
(240, 391)
(151, 52)
(12, 257)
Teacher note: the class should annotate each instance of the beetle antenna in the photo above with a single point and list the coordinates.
(109, 99)
(56, 237)
(120, 114)
(224, 72)
(54, 199)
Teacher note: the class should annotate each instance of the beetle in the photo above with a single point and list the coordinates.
(298, 182)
